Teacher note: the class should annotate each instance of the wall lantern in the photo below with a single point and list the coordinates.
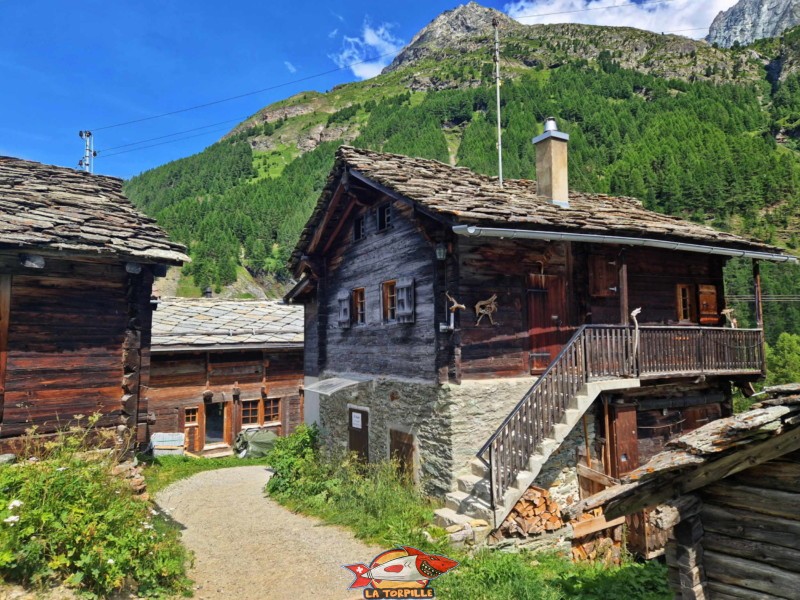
(441, 251)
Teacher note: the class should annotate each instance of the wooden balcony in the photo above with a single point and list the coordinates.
(610, 352)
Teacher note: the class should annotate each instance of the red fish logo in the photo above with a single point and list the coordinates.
(403, 568)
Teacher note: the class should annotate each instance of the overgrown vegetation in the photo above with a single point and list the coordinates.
(383, 507)
(65, 518)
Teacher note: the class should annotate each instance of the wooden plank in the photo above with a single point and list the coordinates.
(775, 474)
(596, 476)
(725, 591)
(590, 526)
(751, 574)
(747, 525)
(776, 503)
(5, 313)
(764, 552)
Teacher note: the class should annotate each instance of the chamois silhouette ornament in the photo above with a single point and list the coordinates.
(486, 308)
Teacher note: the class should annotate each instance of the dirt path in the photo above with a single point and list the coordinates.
(247, 546)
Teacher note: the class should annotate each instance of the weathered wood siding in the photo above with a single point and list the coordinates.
(76, 335)
(311, 338)
(653, 275)
(386, 349)
(178, 380)
(493, 266)
(745, 543)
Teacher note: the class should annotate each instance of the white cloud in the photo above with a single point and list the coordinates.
(338, 16)
(369, 54)
(333, 33)
(687, 17)
(290, 67)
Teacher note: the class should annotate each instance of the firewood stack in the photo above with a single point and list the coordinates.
(535, 513)
(602, 546)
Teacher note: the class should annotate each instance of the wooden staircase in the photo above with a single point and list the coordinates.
(597, 359)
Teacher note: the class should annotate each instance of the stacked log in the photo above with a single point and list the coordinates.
(601, 546)
(535, 513)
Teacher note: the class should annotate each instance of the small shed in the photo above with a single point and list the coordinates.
(77, 263)
(730, 494)
(221, 366)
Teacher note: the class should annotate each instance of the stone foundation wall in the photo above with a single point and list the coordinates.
(449, 422)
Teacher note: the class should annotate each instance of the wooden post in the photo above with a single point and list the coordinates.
(760, 313)
(623, 289)
(5, 314)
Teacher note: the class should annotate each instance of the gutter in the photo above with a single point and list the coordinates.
(525, 234)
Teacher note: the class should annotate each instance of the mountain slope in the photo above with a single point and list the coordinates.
(687, 128)
(751, 20)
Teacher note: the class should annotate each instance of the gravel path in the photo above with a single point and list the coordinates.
(249, 547)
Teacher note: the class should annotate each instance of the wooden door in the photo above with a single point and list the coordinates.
(358, 426)
(547, 319)
(401, 448)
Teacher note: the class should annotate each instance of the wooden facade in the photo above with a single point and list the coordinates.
(506, 284)
(221, 366)
(726, 497)
(77, 264)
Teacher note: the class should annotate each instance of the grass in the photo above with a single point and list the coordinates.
(187, 288)
(382, 507)
(163, 470)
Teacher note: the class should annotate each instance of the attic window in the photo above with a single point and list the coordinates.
(343, 300)
(405, 300)
(358, 229)
(384, 217)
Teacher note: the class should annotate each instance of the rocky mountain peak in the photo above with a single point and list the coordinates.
(751, 20)
(451, 30)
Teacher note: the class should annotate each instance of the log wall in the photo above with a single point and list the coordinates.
(493, 266)
(389, 349)
(74, 340)
(745, 540)
(180, 380)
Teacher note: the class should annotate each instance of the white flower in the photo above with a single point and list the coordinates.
(110, 561)
(59, 469)
(14, 504)
(153, 512)
(11, 520)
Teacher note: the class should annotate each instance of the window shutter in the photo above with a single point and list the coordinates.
(405, 300)
(343, 299)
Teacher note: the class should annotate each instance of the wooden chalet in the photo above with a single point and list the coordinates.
(448, 316)
(77, 263)
(728, 497)
(220, 366)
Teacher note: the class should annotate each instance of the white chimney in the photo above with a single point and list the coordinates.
(552, 179)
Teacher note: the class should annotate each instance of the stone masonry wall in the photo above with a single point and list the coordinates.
(449, 422)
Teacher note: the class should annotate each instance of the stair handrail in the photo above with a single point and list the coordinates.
(485, 448)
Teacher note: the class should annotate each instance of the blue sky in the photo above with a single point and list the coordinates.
(65, 67)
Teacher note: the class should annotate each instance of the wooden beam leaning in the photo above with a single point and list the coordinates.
(5, 315)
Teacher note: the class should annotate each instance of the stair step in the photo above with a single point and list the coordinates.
(444, 517)
(478, 468)
(467, 504)
(474, 484)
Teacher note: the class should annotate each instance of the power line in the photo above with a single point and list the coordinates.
(582, 10)
(238, 96)
(161, 137)
(188, 137)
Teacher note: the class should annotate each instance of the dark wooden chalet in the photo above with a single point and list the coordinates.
(728, 497)
(77, 263)
(220, 366)
(494, 320)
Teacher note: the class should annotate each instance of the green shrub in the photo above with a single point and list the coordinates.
(64, 517)
(375, 500)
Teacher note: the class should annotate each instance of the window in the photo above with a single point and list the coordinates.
(685, 302)
(250, 412)
(384, 217)
(343, 300)
(358, 229)
(389, 303)
(359, 306)
(405, 300)
(190, 416)
(272, 410)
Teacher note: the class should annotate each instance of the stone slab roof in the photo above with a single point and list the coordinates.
(210, 323)
(461, 196)
(50, 208)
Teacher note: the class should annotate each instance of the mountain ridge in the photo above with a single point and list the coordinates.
(750, 20)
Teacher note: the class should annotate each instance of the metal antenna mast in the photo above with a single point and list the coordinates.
(88, 151)
(496, 25)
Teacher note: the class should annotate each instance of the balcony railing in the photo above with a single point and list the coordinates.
(599, 352)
